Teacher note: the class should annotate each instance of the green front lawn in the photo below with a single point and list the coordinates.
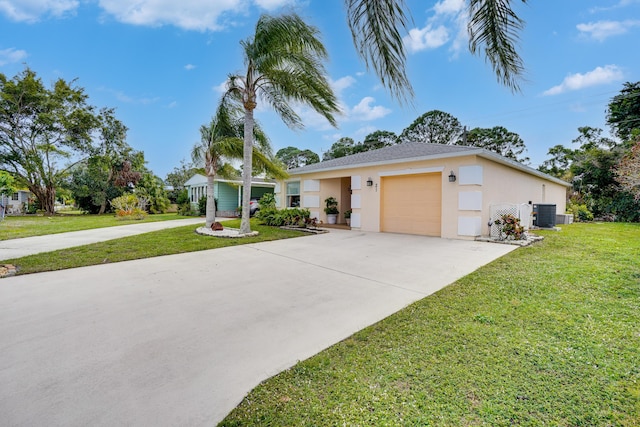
(13, 227)
(164, 242)
(546, 335)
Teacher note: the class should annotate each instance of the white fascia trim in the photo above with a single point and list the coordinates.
(411, 171)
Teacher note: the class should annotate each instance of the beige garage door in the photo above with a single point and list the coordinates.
(411, 204)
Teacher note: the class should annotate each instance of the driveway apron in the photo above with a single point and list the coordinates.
(181, 339)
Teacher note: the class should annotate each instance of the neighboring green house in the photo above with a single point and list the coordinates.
(227, 192)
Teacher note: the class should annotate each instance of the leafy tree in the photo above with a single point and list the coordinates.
(379, 139)
(628, 171)
(293, 157)
(180, 174)
(593, 169)
(345, 146)
(559, 163)
(375, 25)
(40, 129)
(283, 61)
(222, 140)
(499, 140)
(106, 173)
(7, 182)
(6, 188)
(433, 127)
(151, 189)
(623, 112)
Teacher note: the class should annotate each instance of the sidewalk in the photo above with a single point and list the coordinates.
(16, 248)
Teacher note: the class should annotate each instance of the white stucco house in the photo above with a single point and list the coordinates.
(427, 189)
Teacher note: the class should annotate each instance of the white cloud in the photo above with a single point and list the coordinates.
(273, 4)
(426, 38)
(599, 76)
(449, 17)
(602, 30)
(187, 14)
(341, 84)
(364, 111)
(32, 10)
(11, 55)
(189, 67)
(449, 7)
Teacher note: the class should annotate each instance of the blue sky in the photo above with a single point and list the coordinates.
(161, 64)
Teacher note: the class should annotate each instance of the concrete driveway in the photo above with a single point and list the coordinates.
(179, 340)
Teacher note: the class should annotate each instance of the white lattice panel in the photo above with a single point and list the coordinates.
(522, 211)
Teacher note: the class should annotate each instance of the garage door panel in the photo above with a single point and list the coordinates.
(412, 204)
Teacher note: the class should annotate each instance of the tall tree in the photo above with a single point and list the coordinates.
(283, 63)
(293, 157)
(433, 127)
(180, 174)
(623, 112)
(559, 163)
(345, 146)
(499, 140)
(222, 140)
(42, 132)
(493, 29)
(379, 139)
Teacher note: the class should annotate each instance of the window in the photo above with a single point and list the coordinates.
(293, 194)
(14, 196)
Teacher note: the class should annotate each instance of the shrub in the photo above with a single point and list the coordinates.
(128, 206)
(510, 227)
(285, 217)
(580, 212)
(267, 201)
(202, 205)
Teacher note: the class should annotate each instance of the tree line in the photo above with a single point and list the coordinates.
(433, 127)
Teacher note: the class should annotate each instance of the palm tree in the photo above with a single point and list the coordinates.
(283, 63)
(375, 25)
(221, 141)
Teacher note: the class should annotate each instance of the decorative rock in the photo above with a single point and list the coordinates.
(227, 232)
(216, 226)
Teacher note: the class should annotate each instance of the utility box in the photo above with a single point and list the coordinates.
(544, 215)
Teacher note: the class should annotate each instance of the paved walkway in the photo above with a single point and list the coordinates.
(16, 248)
(180, 339)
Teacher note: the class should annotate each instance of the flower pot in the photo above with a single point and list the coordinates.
(332, 218)
(348, 220)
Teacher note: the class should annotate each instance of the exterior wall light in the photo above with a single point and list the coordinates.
(452, 177)
(369, 182)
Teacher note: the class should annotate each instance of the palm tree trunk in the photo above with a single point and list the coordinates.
(247, 169)
(211, 201)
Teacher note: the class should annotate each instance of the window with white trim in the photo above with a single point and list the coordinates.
(293, 194)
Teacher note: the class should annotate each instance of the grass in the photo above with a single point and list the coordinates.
(13, 227)
(157, 243)
(546, 335)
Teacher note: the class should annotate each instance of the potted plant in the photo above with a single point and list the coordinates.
(331, 209)
(347, 217)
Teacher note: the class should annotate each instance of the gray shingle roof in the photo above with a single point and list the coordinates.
(403, 151)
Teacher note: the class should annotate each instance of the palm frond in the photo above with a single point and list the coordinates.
(375, 27)
(494, 25)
